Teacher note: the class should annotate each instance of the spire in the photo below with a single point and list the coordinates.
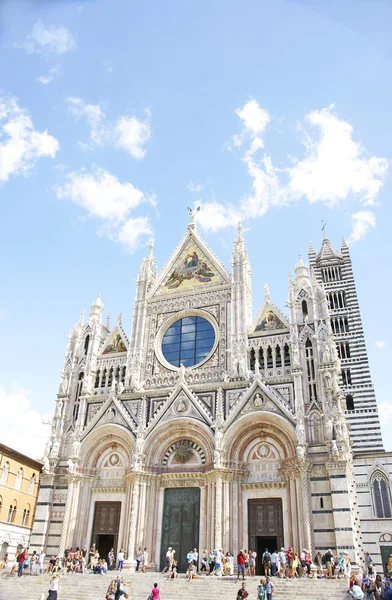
(81, 320)
(327, 252)
(96, 309)
(119, 317)
(267, 292)
(107, 325)
(301, 272)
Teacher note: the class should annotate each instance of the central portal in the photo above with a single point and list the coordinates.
(265, 527)
(105, 527)
(180, 524)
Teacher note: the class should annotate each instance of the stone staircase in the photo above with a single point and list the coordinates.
(93, 587)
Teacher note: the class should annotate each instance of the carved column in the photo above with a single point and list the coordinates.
(307, 509)
(218, 511)
(133, 521)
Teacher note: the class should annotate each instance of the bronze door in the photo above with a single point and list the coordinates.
(265, 526)
(106, 526)
(180, 524)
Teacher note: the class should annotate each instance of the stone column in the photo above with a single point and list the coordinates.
(218, 511)
(67, 515)
(133, 522)
(307, 507)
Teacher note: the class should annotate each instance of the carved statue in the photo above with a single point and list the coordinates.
(296, 355)
(64, 383)
(76, 447)
(301, 433)
(182, 373)
(217, 459)
(120, 387)
(257, 401)
(326, 354)
(46, 466)
(338, 429)
(328, 429)
(71, 465)
(181, 406)
(59, 408)
(300, 452)
(334, 449)
(54, 452)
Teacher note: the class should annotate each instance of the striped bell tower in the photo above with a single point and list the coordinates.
(334, 270)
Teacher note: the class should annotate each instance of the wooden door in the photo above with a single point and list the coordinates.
(106, 521)
(265, 519)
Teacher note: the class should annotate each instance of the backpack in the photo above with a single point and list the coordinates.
(267, 557)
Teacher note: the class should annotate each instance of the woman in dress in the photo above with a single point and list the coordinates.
(252, 563)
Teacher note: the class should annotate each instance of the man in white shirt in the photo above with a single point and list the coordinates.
(120, 560)
(169, 559)
(41, 560)
(195, 557)
(54, 587)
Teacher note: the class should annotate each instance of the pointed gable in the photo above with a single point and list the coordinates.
(192, 265)
(269, 319)
(116, 342)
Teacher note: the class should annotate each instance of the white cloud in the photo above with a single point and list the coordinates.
(335, 169)
(20, 144)
(131, 134)
(335, 165)
(128, 133)
(363, 221)
(45, 39)
(195, 187)
(94, 115)
(45, 79)
(381, 345)
(21, 425)
(104, 197)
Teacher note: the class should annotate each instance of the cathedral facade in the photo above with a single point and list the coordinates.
(209, 428)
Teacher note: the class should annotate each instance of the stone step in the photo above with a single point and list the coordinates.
(93, 587)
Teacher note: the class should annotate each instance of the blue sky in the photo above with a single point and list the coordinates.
(115, 116)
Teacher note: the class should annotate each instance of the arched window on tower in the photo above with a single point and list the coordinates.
(18, 480)
(76, 406)
(123, 375)
(96, 384)
(118, 374)
(110, 378)
(86, 344)
(311, 373)
(314, 428)
(4, 473)
(381, 496)
(32, 484)
(104, 376)
(305, 313)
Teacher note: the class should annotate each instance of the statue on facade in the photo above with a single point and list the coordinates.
(334, 449)
(182, 373)
(54, 451)
(300, 452)
(64, 383)
(301, 437)
(71, 466)
(218, 459)
(326, 354)
(46, 465)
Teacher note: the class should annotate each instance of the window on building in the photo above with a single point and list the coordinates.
(18, 480)
(4, 473)
(188, 341)
(118, 374)
(86, 344)
(261, 358)
(104, 377)
(321, 503)
(110, 378)
(9, 518)
(311, 373)
(123, 372)
(97, 378)
(286, 353)
(381, 496)
(346, 376)
(278, 357)
(270, 362)
(24, 517)
(252, 360)
(305, 313)
(32, 484)
(349, 402)
(76, 406)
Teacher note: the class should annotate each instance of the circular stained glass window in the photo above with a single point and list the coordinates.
(188, 341)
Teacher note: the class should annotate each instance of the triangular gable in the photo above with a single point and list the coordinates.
(110, 412)
(269, 319)
(192, 265)
(260, 397)
(181, 403)
(116, 342)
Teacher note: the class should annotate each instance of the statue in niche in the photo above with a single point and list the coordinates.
(120, 387)
(64, 384)
(334, 449)
(217, 459)
(59, 408)
(46, 465)
(182, 373)
(328, 429)
(301, 433)
(300, 452)
(296, 355)
(181, 406)
(75, 446)
(257, 401)
(326, 354)
(54, 452)
(71, 465)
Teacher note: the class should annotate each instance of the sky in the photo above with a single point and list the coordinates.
(115, 116)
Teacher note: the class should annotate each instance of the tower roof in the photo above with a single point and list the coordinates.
(328, 252)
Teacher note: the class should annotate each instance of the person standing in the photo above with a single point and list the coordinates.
(155, 592)
(54, 587)
(22, 558)
(269, 588)
(111, 559)
(169, 559)
(120, 560)
(41, 560)
(368, 560)
(282, 561)
(261, 589)
(266, 562)
(139, 555)
(144, 560)
(241, 565)
(242, 592)
(252, 563)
